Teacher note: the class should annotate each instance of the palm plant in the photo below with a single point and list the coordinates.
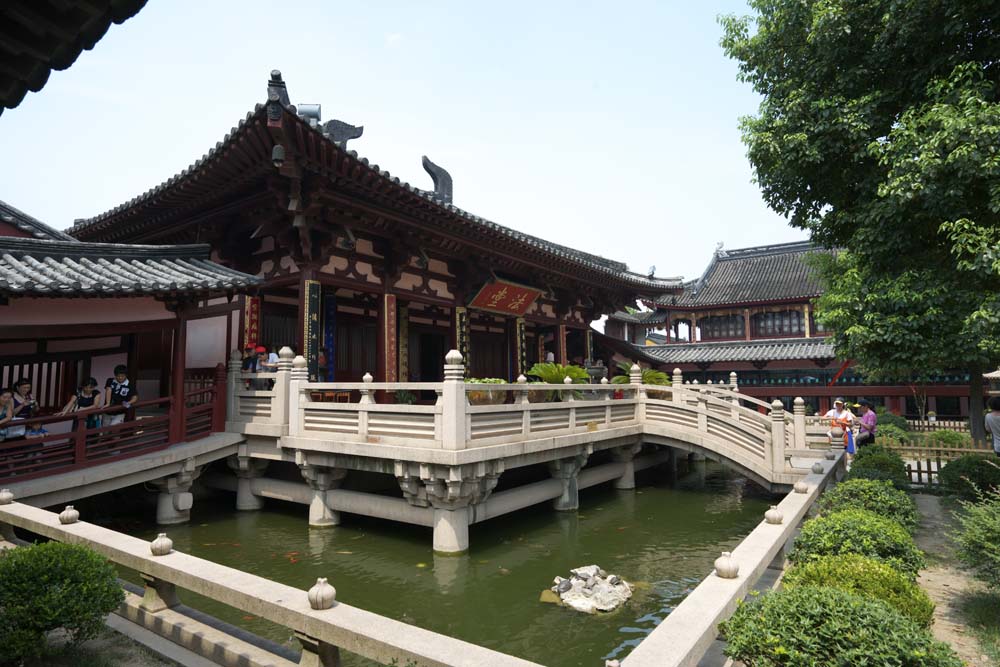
(553, 373)
(649, 375)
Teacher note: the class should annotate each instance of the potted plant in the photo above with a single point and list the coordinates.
(553, 373)
(649, 376)
(484, 395)
(931, 416)
(404, 397)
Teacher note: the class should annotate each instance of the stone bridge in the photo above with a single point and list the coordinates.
(448, 451)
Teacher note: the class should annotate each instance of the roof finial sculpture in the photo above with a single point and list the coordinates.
(719, 252)
(276, 90)
(441, 178)
(340, 132)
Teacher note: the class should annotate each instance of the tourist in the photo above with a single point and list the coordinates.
(249, 356)
(272, 359)
(840, 417)
(87, 397)
(321, 363)
(993, 422)
(868, 424)
(25, 407)
(119, 392)
(6, 411)
(258, 364)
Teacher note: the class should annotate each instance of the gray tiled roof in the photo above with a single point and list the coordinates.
(750, 275)
(775, 349)
(43, 267)
(45, 35)
(641, 317)
(30, 225)
(500, 233)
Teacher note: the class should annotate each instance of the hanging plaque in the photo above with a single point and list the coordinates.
(505, 297)
(251, 321)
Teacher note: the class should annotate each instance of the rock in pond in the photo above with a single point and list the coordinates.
(590, 589)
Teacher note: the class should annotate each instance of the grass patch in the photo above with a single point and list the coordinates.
(982, 613)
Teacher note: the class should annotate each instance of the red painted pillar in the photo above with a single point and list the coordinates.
(219, 400)
(179, 361)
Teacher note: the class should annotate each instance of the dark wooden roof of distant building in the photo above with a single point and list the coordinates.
(31, 226)
(56, 268)
(760, 274)
(778, 349)
(38, 36)
(641, 317)
(244, 156)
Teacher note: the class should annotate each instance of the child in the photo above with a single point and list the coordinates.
(119, 392)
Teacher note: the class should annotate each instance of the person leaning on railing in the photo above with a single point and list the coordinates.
(87, 398)
(119, 392)
(6, 410)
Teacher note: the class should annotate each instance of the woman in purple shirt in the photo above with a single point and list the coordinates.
(868, 424)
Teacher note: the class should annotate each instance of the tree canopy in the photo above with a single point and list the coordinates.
(879, 132)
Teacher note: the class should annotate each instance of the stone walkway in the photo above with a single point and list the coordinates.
(945, 582)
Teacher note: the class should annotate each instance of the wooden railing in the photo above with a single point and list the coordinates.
(70, 445)
(926, 425)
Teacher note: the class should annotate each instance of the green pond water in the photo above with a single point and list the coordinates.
(662, 536)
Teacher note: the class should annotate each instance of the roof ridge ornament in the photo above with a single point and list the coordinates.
(340, 132)
(441, 179)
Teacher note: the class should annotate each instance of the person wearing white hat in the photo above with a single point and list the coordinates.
(841, 419)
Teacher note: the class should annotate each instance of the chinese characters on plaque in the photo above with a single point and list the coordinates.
(506, 298)
(251, 321)
(311, 328)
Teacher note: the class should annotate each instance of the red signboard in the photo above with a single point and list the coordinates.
(251, 321)
(504, 297)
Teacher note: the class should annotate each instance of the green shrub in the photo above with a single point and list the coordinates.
(874, 448)
(812, 626)
(49, 586)
(858, 532)
(885, 417)
(979, 537)
(952, 439)
(869, 579)
(967, 475)
(878, 496)
(881, 465)
(892, 432)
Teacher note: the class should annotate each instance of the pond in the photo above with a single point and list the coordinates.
(663, 537)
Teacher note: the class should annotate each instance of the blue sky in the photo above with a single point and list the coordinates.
(609, 129)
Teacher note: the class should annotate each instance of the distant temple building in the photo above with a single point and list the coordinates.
(750, 312)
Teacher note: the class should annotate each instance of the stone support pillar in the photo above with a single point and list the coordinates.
(450, 490)
(626, 455)
(317, 653)
(173, 505)
(158, 594)
(567, 471)
(799, 422)
(246, 469)
(321, 479)
(777, 436)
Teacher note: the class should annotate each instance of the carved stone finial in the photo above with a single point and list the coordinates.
(454, 357)
(286, 353)
(521, 379)
(441, 179)
(299, 362)
(340, 132)
(367, 377)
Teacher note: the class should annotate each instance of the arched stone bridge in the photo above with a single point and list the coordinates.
(448, 451)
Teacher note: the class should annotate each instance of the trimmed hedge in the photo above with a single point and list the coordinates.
(881, 465)
(812, 626)
(869, 579)
(969, 475)
(885, 417)
(892, 432)
(878, 496)
(858, 532)
(48, 586)
(946, 438)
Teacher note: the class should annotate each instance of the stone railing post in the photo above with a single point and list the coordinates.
(777, 436)
(298, 376)
(799, 422)
(280, 400)
(732, 381)
(635, 379)
(365, 400)
(678, 385)
(522, 400)
(233, 385)
(453, 424)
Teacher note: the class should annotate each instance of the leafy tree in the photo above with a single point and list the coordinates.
(879, 132)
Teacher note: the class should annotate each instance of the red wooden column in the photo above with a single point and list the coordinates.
(178, 363)
(746, 325)
(561, 354)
